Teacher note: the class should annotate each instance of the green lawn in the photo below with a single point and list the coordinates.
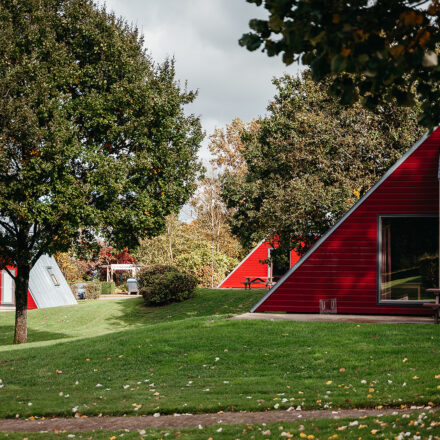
(423, 424)
(116, 357)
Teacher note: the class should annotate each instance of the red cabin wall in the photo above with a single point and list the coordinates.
(250, 266)
(344, 266)
(30, 300)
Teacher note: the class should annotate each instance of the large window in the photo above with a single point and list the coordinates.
(408, 261)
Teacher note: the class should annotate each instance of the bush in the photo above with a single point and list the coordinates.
(74, 289)
(160, 285)
(92, 290)
(107, 287)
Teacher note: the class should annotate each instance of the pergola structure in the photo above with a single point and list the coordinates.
(111, 268)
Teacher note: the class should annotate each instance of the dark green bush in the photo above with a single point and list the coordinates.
(161, 285)
(107, 288)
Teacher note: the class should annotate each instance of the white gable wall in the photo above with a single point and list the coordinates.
(42, 287)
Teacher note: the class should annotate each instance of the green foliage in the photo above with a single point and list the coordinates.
(107, 288)
(94, 139)
(189, 248)
(388, 48)
(309, 161)
(160, 285)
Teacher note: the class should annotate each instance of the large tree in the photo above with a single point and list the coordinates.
(387, 48)
(309, 161)
(94, 141)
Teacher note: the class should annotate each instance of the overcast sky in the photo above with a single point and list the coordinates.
(203, 36)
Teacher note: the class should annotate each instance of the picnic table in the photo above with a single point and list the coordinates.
(435, 306)
(249, 280)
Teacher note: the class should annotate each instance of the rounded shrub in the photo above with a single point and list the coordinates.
(92, 290)
(160, 285)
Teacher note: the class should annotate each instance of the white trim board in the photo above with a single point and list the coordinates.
(342, 220)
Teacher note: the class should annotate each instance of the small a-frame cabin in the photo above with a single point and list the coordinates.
(382, 255)
(47, 286)
(252, 266)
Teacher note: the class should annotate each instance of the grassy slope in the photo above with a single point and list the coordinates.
(423, 425)
(92, 318)
(205, 363)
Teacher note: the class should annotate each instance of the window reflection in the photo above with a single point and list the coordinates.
(409, 258)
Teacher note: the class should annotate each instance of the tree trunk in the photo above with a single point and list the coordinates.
(21, 291)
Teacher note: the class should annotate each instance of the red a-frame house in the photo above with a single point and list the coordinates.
(382, 255)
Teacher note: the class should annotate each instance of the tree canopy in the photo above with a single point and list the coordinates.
(94, 141)
(309, 161)
(386, 48)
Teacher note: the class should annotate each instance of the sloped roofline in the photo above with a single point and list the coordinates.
(242, 261)
(302, 260)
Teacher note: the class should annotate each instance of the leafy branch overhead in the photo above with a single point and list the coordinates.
(309, 160)
(374, 51)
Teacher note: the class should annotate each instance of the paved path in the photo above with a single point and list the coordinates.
(306, 317)
(189, 420)
(119, 296)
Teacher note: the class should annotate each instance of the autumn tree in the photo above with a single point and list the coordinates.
(309, 161)
(226, 146)
(189, 248)
(94, 140)
(212, 222)
(381, 51)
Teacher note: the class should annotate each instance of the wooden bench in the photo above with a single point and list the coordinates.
(253, 280)
(435, 306)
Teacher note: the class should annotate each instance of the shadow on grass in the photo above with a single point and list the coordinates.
(206, 302)
(7, 335)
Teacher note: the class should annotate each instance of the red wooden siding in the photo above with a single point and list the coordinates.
(344, 265)
(31, 303)
(250, 266)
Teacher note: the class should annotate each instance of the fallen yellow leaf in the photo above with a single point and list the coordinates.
(329, 382)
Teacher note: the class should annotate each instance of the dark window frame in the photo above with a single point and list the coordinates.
(393, 302)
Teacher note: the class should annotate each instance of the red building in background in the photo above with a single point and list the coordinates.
(382, 255)
(252, 266)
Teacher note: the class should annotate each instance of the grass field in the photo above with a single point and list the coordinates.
(117, 357)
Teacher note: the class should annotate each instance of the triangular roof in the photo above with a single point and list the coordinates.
(342, 220)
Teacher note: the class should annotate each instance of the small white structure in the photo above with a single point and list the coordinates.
(111, 268)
